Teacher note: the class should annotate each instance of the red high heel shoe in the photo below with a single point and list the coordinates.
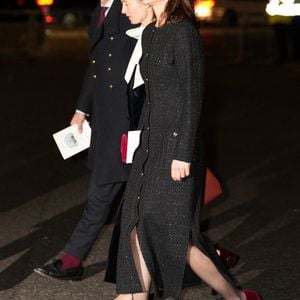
(228, 258)
(252, 295)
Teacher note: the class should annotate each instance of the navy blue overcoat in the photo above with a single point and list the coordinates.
(104, 93)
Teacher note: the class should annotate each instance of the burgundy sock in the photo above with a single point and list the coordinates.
(70, 261)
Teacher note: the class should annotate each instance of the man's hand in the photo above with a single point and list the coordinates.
(180, 170)
(78, 119)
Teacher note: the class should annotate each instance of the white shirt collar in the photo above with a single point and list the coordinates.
(108, 5)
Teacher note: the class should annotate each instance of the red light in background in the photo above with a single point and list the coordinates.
(44, 10)
(20, 2)
(48, 19)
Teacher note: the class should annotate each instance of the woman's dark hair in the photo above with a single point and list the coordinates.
(178, 10)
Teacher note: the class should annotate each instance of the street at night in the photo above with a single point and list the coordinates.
(252, 134)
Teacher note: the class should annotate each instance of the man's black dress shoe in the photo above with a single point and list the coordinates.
(54, 270)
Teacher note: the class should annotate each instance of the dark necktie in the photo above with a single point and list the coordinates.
(101, 16)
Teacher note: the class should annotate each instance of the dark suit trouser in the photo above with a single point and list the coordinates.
(95, 214)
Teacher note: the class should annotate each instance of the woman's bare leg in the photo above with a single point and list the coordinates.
(144, 275)
(139, 261)
(207, 271)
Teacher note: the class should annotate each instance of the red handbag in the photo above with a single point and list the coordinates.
(213, 187)
(129, 143)
(123, 147)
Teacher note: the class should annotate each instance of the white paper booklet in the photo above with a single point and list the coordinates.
(70, 142)
(132, 144)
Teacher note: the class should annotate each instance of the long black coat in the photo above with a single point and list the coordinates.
(104, 93)
(165, 212)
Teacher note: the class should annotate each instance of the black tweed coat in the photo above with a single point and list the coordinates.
(165, 212)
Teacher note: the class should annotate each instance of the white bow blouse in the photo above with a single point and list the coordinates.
(135, 57)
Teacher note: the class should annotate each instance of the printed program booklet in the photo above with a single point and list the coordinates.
(70, 142)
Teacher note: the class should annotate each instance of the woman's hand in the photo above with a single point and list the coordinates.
(180, 170)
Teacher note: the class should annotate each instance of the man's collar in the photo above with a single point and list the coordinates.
(109, 3)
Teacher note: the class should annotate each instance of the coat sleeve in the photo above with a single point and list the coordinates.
(85, 99)
(189, 62)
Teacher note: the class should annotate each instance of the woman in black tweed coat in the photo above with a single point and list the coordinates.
(160, 232)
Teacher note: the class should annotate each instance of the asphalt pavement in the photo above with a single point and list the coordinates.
(252, 133)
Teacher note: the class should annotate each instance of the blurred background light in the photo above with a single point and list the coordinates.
(283, 8)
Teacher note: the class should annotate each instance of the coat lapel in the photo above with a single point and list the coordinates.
(110, 25)
(93, 27)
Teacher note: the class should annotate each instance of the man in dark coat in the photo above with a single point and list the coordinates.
(104, 98)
